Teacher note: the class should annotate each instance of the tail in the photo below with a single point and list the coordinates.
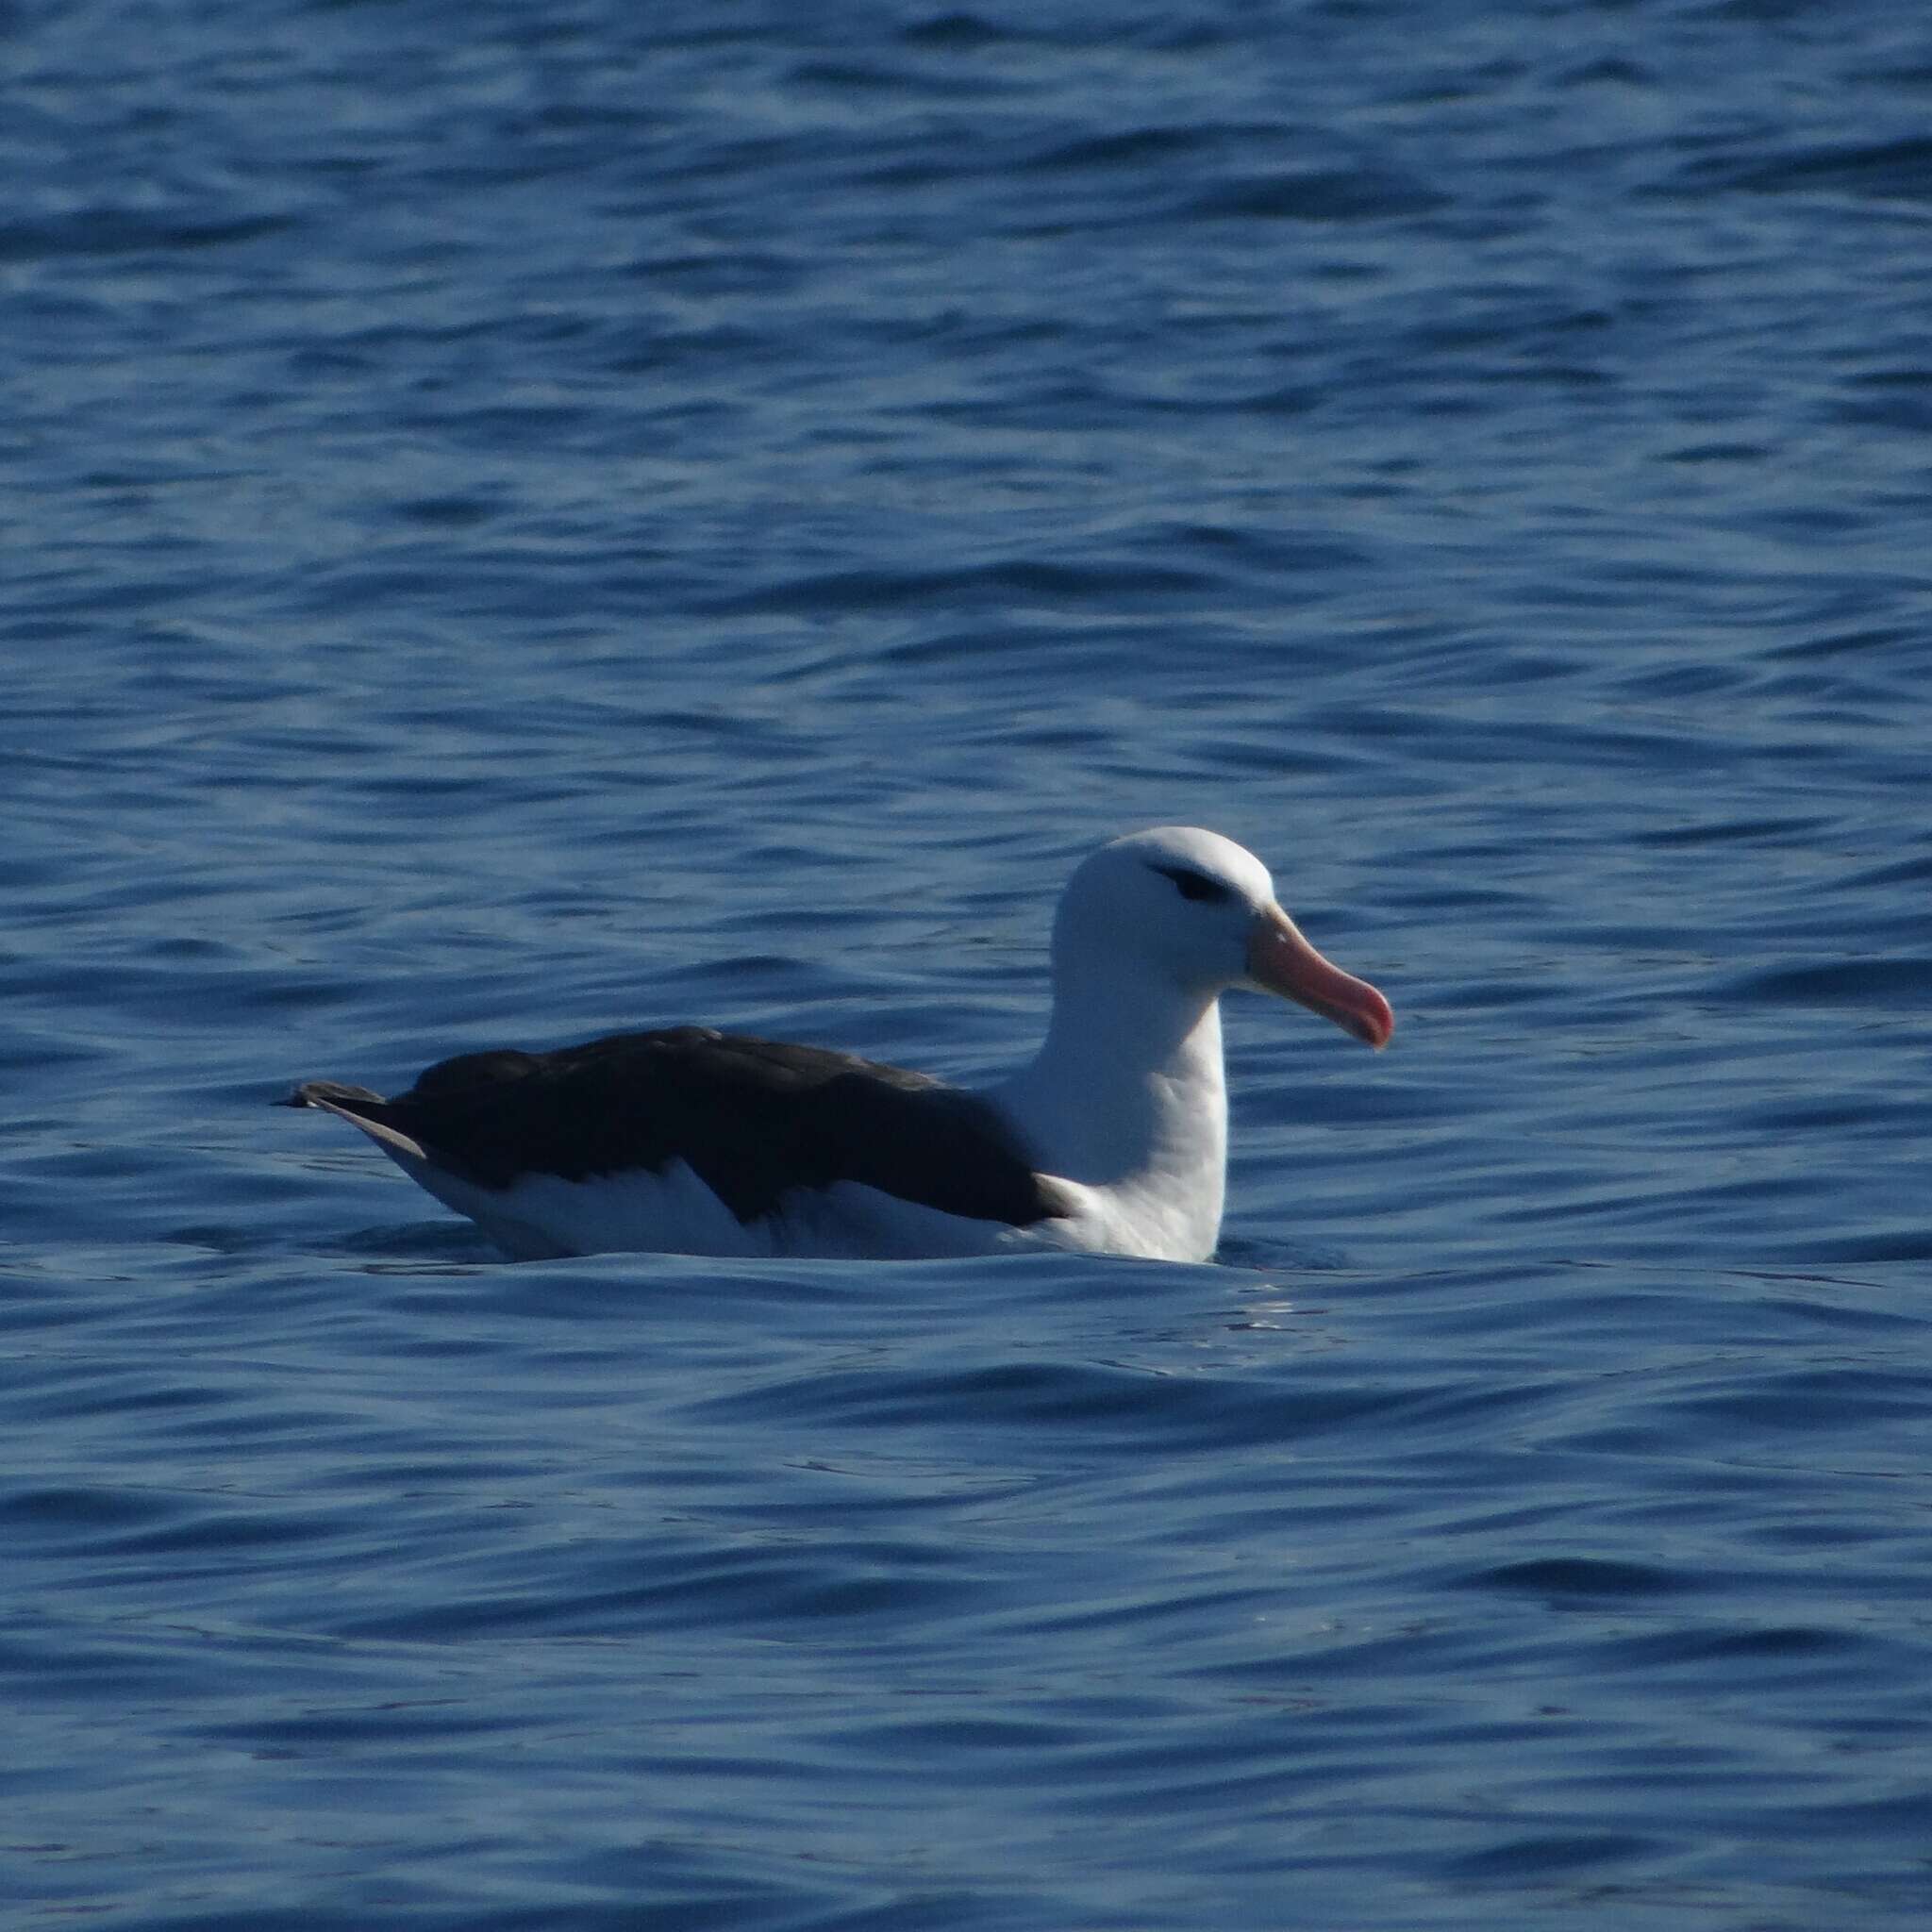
(333, 1094)
(367, 1111)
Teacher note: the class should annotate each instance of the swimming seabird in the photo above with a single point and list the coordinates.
(1111, 1139)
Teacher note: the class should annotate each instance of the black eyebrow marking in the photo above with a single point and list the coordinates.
(1192, 884)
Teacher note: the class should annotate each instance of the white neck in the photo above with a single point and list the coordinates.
(1127, 1094)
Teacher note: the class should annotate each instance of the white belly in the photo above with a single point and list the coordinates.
(674, 1212)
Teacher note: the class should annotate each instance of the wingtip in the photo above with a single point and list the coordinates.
(324, 1092)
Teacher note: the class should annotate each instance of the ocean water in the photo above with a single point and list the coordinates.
(522, 521)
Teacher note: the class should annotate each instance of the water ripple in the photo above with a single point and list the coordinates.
(619, 516)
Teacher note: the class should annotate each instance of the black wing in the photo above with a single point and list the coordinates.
(752, 1118)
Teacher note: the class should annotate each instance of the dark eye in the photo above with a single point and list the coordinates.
(1193, 885)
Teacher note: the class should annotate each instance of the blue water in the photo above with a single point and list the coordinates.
(524, 521)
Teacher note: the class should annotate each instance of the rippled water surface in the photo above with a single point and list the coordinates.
(526, 521)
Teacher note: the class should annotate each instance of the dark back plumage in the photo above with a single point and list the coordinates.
(752, 1118)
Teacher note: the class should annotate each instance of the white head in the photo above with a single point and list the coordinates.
(1197, 914)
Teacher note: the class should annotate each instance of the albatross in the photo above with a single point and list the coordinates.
(1111, 1139)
